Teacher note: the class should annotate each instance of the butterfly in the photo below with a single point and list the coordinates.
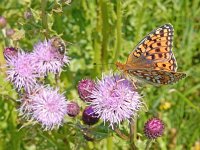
(152, 60)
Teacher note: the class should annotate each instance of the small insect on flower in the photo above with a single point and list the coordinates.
(59, 44)
(48, 58)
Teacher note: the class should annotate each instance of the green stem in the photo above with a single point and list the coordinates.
(109, 143)
(44, 18)
(132, 134)
(7, 97)
(119, 24)
(188, 101)
(123, 136)
(57, 78)
(148, 145)
(105, 34)
(97, 41)
(135, 129)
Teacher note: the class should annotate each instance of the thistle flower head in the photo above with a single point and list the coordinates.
(28, 14)
(49, 107)
(85, 88)
(3, 22)
(73, 109)
(9, 32)
(115, 99)
(9, 53)
(154, 128)
(49, 60)
(25, 108)
(21, 71)
(89, 117)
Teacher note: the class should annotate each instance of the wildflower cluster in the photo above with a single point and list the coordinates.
(113, 99)
(39, 102)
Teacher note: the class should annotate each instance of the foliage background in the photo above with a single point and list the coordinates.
(103, 32)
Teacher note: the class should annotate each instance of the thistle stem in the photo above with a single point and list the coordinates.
(57, 78)
(148, 145)
(105, 35)
(119, 24)
(132, 134)
(123, 136)
(44, 18)
(109, 143)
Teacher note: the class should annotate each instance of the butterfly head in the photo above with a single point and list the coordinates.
(120, 65)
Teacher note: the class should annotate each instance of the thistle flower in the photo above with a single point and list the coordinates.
(25, 108)
(9, 53)
(28, 14)
(9, 32)
(49, 107)
(49, 60)
(21, 70)
(3, 22)
(89, 117)
(115, 99)
(154, 128)
(85, 88)
(73, 109)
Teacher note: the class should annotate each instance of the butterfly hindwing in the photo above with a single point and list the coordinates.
(157, 76)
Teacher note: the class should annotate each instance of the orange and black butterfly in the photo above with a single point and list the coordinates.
(153, 60)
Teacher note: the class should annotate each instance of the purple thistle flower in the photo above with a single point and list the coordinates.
(115, 99)
(73, 109)
(85, 88)
(28, 14)
(49, 107)
(49, 60)
(3, 22)
(89, 117)
(154, 128)
(25, 109)
(9, 32)
(9, 53)
(21, 71)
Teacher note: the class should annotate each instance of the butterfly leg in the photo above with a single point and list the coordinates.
(133, 81)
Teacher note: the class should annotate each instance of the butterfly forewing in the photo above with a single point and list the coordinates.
(155, 47)
(169, 65)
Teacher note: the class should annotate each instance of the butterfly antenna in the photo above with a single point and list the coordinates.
(70, 43)
(95, 64)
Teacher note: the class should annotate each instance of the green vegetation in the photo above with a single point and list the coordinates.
(103, 32)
